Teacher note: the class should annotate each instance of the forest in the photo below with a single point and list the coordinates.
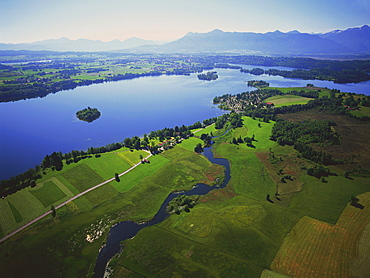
(342, 76)
(300, 135)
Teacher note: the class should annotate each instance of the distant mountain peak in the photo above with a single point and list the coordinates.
(215, 31)
(294, 32)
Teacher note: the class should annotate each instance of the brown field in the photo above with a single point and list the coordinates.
(317, 249)
(289, 164)
(354, 134)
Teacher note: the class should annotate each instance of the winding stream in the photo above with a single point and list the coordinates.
(128, 229)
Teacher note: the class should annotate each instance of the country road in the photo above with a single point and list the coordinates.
(73, 198)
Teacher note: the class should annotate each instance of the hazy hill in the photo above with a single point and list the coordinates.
(64, 44)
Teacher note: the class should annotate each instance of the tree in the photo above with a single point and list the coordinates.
(32, 183)
(198, 148)
(137, 144)
(346, 174)
(116, 176)
(53, 211)
(127, 142)
(248, 140)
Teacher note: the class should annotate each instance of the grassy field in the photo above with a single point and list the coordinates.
(232, 232)
(279, 101)
(363, 111)
(331, 250)
(180, 257)
(58, 186)
(325, 201)
(134, 177)
(243, 159)
(322, 91)
(235, 239)
(208, 130)
(70, 242)
(239, 222)
(48, 194)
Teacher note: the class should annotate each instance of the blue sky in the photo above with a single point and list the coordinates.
(33, 20)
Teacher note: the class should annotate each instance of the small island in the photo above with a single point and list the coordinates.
(258, 84)
(88, 114)
(211, 75)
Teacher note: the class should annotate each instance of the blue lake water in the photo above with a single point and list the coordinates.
(33, 128)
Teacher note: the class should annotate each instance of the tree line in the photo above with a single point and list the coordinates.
(342, 76)
(293, 62)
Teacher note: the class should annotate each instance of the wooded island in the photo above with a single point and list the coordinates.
(88, 114)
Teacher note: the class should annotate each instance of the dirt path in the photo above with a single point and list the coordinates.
(70, 200)
(195, 131)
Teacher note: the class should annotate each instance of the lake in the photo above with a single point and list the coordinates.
(33, 128)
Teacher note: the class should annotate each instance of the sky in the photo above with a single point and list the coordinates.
(167, 20)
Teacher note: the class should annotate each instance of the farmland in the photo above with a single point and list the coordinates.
(58, 186)
(317, 247)
(239, 223)
(258, 224)
(80, 227)
(287, 100)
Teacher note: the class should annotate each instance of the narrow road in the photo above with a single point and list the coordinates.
(70, 200)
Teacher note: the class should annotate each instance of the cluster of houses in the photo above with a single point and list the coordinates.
(170, 143)
(238, 104)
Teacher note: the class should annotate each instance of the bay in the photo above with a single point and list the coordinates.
(33, 128)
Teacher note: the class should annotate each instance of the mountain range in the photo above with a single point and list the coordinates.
(337, 42)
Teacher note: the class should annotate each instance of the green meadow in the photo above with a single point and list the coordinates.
(363, 111)
(58, 186)
(279, 101)
(228, 239)
(244, 161)
(322, 91)
(69, 243)
(235, 231)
